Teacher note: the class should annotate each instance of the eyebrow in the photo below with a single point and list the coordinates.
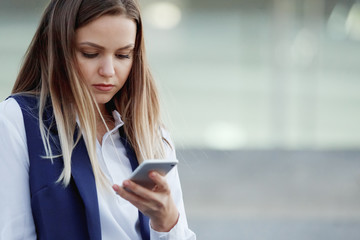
(129, 46)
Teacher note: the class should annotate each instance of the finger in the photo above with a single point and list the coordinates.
(144, 205)
(139, 190)
(129, 196)
(160, 181)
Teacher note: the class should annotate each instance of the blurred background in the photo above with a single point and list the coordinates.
(262, 100)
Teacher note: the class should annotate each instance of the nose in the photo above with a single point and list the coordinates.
(107, 68)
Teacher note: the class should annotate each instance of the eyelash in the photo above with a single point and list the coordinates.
(94, 55)
(122, 56)
(89, 55)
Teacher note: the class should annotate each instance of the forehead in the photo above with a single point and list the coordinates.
(108, 31)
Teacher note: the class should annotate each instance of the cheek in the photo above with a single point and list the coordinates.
(129, 69)
(124, 71)
(85, 70)
(131, 65)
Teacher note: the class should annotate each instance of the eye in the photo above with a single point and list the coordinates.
(123, 56)
(89, 55)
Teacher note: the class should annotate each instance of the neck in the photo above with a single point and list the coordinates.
(103, 110)
(105, 114)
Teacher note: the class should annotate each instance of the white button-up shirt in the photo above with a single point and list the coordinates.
(118, 217)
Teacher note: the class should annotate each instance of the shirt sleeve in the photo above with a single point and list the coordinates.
(16, 221)
(181, 230)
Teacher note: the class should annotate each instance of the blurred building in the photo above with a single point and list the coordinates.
(239, 74)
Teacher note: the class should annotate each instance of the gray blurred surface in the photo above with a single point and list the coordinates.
(272, 194)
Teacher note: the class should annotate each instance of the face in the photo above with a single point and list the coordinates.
(105, 54)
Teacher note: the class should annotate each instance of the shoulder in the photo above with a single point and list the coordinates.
(27, 102)
(12, 125)
(10, 111)
(168, 143)
(165, 134)
(11, 118)
(28, 106)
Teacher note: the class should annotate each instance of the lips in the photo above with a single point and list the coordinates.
(104, 87)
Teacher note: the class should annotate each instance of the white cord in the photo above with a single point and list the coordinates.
(113, 143)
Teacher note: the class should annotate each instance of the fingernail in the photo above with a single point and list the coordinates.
(116, 187)
(126, 183)
(153, 174)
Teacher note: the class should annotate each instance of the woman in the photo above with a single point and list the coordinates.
(83, 114)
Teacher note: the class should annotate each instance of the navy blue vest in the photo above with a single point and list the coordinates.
(59, 212)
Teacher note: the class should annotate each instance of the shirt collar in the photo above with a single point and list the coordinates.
(118, 121)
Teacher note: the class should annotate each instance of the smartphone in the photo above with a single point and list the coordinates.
(141, 173)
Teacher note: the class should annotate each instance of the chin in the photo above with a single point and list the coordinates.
(103, 99)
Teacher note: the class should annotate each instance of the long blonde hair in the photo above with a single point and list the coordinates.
(50, 71)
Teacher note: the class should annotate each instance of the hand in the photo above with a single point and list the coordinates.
(157, 203)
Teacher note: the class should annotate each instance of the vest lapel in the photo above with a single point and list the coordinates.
(83, 176)
(50, 222)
